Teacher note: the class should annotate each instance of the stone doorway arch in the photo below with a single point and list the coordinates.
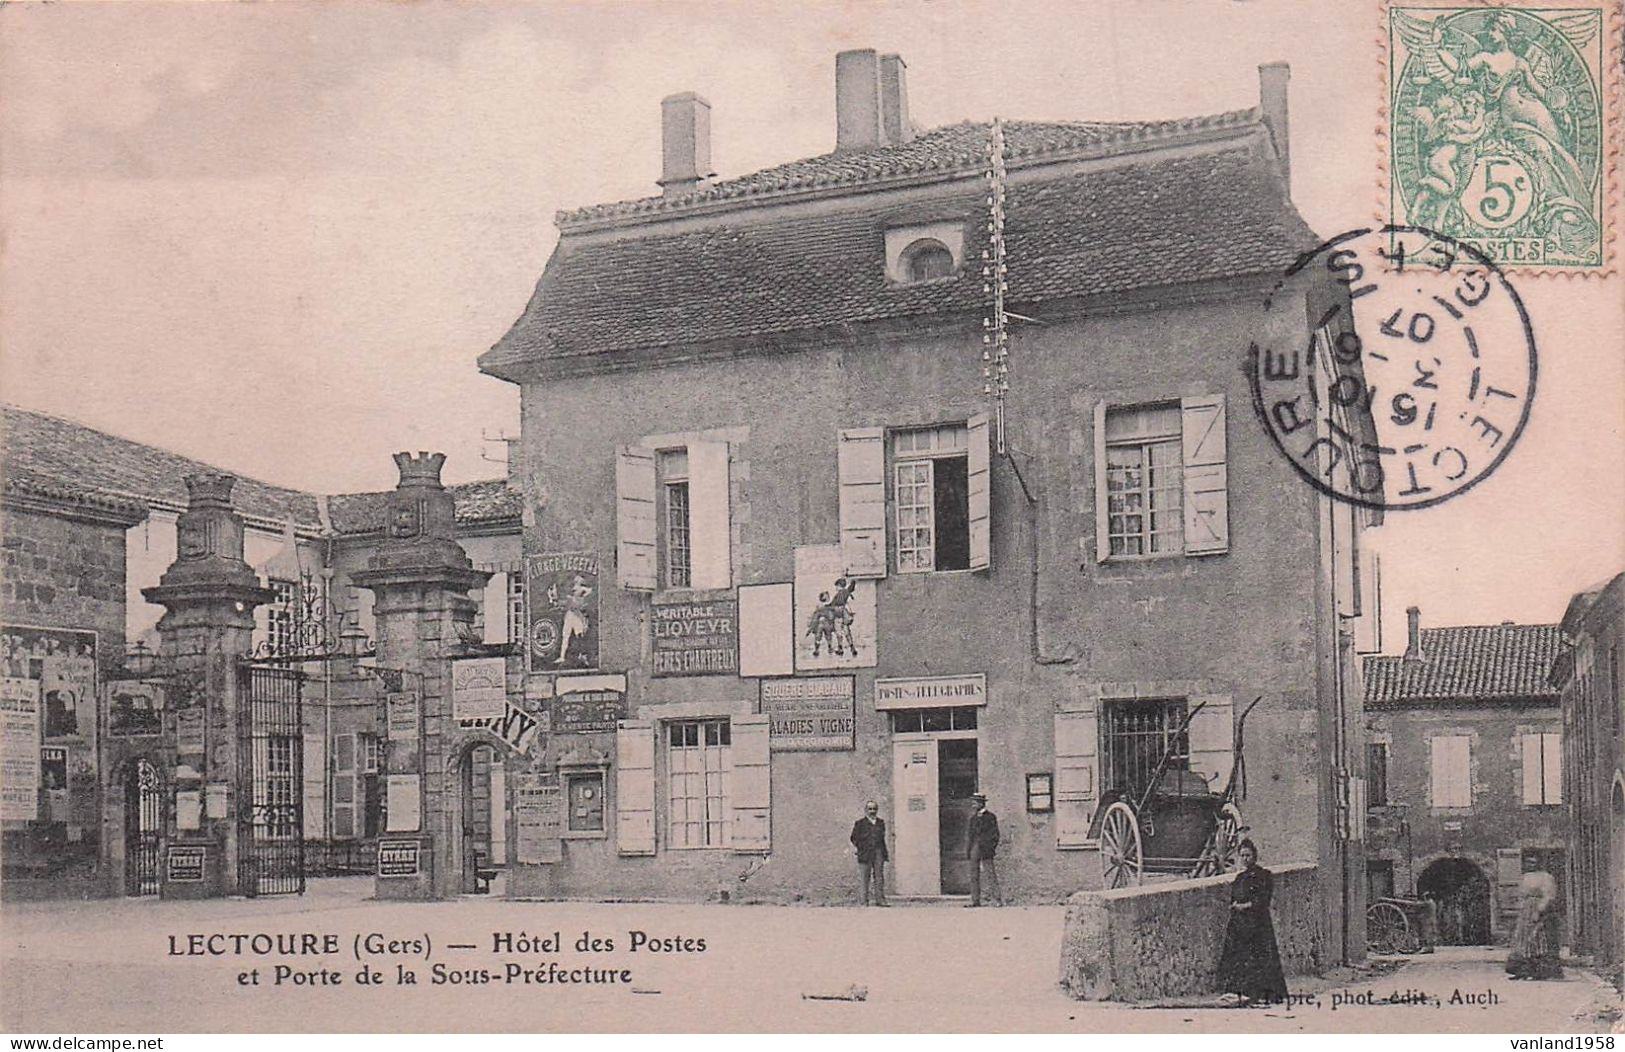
(1463, 894)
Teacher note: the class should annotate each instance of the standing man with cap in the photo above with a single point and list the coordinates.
(981, 844)
(869, 837)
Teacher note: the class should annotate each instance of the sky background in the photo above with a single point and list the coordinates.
(276, 237)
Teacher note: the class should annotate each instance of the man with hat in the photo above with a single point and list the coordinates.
(981, 844)
(869, 837)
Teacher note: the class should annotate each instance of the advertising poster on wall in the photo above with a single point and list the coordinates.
(53, 765)
(19, 748)
(538, 819)
(561, 605)
(811, 714)
(695, 639)
(64, 661)
(479, 688)
(405, 751)
(587, 704)
(403, 801)
(134, 708)
(191, 732)
(835, 616)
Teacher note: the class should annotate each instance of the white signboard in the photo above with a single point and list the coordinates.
(404, 801)
(835, 615)
(19, 748)
(931, 692)
(767, 629)
(479, 688)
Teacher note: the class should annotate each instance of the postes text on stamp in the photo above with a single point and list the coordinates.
(1417, 378)
(1498, 121)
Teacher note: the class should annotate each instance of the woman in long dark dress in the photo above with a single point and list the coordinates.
(1251, 963)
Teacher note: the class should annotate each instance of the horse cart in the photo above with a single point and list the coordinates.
(1176, 823)
(1397, 924)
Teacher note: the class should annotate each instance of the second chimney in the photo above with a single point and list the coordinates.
(1413, 633)
(685, 144)
(895, 124)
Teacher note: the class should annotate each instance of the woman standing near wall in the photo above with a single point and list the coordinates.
(1250, 965)
(1535, 940)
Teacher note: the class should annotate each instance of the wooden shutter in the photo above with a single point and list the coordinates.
(1212, 736)
(1077, 737)
(635, 787)
(315, 787)
(1508, 879)
(1207, 500)
(750, 785)
(1552, 770)
(1103, 536)
(1451, 771)
(861, 466)
(978, 466)
(708, 515)
(495, 607)
(1532, 781)
(344, 801)
(635, 518)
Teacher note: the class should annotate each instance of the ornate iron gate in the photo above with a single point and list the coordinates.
(270, 759)
(143, 828)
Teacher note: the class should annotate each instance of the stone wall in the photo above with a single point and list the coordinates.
(1164, 940)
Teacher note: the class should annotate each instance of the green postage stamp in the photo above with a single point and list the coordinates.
(1500, 129)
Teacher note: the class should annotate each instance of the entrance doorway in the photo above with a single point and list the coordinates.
(934, 772)
(1463, 893)
(143, 828)
(483, 819)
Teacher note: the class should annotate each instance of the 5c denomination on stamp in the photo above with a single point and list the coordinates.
(1418, 376)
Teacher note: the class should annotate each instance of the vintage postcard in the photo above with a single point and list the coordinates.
(923, 517)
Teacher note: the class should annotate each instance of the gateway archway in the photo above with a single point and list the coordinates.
(1463, 894)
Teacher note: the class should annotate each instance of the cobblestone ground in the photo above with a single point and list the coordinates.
(109, 966)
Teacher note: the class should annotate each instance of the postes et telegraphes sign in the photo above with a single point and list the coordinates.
(810, 714)
(561, 606)
(695, 638)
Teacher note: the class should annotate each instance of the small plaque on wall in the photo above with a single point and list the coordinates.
(186, 864)
(399, 858)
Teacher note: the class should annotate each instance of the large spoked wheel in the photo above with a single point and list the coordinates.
(1121, 859)
(1219, 855)
(1386, 928)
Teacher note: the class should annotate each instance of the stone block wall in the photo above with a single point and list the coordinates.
(1164, 940)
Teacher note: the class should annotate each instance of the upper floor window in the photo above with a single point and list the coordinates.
(1450, 770)
(516, 606)
(926, 259)
(673, 521)
(932, 498)
(1161, 480)
(1542, 768)
(1376, 756)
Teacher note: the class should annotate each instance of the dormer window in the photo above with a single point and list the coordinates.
(926, 259)
(919, 252)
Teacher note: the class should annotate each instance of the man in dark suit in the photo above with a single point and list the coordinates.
(981, 844)
(869, 837)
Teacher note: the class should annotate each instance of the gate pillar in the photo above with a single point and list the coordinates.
(209, 594)
(421, 579)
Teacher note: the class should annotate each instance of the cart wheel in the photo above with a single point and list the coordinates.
(1386, 929)
(1219, 854)
(1121, 861)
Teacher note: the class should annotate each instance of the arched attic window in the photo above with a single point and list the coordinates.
(927, 259)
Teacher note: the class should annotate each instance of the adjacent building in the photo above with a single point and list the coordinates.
(1466, 785)
(917, 469)
(1593, 701)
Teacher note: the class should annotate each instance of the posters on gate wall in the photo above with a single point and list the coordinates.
(134, 708)
(561, 607)
(19, 748)
(538, 818)
(61, 662)
(835, 616)
(401, 725)
(479, 688)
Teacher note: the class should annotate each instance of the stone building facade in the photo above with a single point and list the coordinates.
(1466, 772)
(1593, 700)
(835, 567)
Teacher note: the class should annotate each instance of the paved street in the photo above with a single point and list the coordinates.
(104, 966)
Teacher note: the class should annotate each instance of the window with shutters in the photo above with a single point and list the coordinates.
(1376, 767)
(1161, 481)
(1450, 770)
(1134, 734)
(1542, 768)
(369, 788)
(932, 498)
(697, 775)
(516, 605)
(673, 517)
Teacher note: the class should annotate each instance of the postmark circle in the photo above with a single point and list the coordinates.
(1418, 374)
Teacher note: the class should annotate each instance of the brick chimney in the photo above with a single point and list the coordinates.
(1272, 101)
(895, 125)
(685, 144)
(1413, 633)
(858, 118)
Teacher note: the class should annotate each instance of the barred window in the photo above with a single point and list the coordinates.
(697, 769)
(1134, 734)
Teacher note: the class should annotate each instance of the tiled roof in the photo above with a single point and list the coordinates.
(1468, 663)
(23, 482)
(1164, 218)
(85, 459)
(954, 148)
(486, 501)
